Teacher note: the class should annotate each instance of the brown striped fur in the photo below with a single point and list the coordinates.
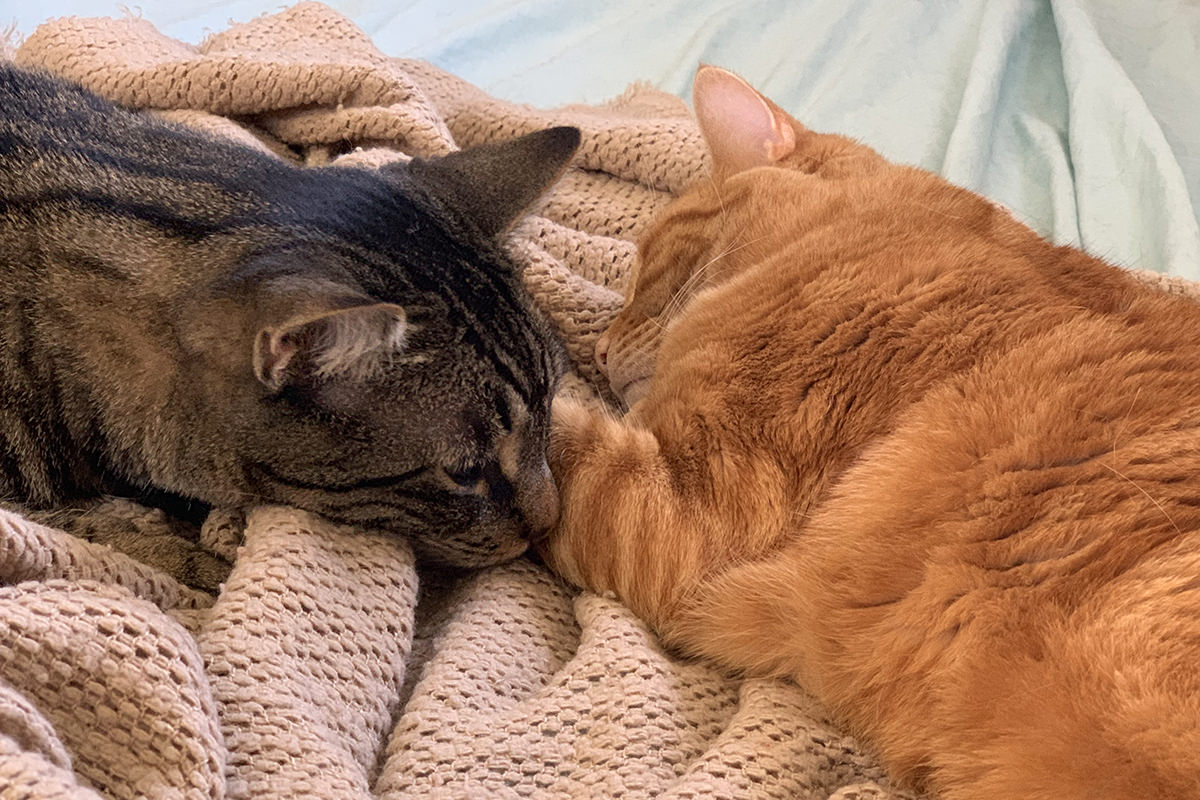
(885, 441)
(186, 316)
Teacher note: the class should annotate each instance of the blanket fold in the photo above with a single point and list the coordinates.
(319, 670)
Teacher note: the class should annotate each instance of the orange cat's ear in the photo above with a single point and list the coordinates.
(743, 129)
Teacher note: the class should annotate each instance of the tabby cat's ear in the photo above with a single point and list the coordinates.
(491, 184)
(349, 342)
(742, 128)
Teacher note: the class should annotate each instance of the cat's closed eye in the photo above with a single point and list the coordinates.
(465, 477)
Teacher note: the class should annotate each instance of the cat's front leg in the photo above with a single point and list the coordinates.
(627, 524)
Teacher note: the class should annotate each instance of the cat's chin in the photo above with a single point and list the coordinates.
(470, 555)
(633, 391)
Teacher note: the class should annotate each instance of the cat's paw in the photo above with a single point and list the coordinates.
(571, 426)
(613, 484)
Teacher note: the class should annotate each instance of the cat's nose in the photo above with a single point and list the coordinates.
(602, 354)
(540, 505)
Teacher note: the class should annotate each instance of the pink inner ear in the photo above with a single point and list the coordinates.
(272, 352)
(741, 128)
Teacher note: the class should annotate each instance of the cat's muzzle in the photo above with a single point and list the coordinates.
(539, 506)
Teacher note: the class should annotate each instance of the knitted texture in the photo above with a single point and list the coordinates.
(315, 672)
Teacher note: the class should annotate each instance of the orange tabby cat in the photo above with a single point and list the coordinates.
(885, 441)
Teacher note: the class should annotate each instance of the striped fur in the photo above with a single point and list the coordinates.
(187, 315)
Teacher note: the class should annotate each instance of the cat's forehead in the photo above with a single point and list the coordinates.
(690, 219)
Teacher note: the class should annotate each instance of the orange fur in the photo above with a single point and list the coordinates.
(887, 442)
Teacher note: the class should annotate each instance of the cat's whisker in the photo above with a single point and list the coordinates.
(1149, 496)
(940, 212)
(720, 197)
(1125, 421)
(680, 298)
(654, 321)
(644, 351)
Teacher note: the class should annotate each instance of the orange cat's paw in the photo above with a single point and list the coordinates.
(571, 423)
(573, 432)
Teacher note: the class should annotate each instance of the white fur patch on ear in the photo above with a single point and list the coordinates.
(353, 343)
(356, 342)
(742, 128)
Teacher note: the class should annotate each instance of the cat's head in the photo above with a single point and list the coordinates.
(396, 375)
(688, 248)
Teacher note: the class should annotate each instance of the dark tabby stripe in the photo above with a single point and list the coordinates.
(261, 468)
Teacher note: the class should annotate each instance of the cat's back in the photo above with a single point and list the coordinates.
(901, 278)
(1013, 432)
(955, 379)
(65, 149)
(1039, 515)
(42, 115)
(986, 350)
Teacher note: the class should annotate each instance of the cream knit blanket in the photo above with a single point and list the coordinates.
(316, 673)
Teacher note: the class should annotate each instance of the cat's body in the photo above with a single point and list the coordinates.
(887, 442)
(184, 314)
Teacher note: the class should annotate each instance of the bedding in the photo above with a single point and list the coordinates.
(328, 666)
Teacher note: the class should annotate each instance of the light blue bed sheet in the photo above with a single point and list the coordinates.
(1082, 116)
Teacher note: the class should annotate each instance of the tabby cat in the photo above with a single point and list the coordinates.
(187, 315)
(885, 441)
